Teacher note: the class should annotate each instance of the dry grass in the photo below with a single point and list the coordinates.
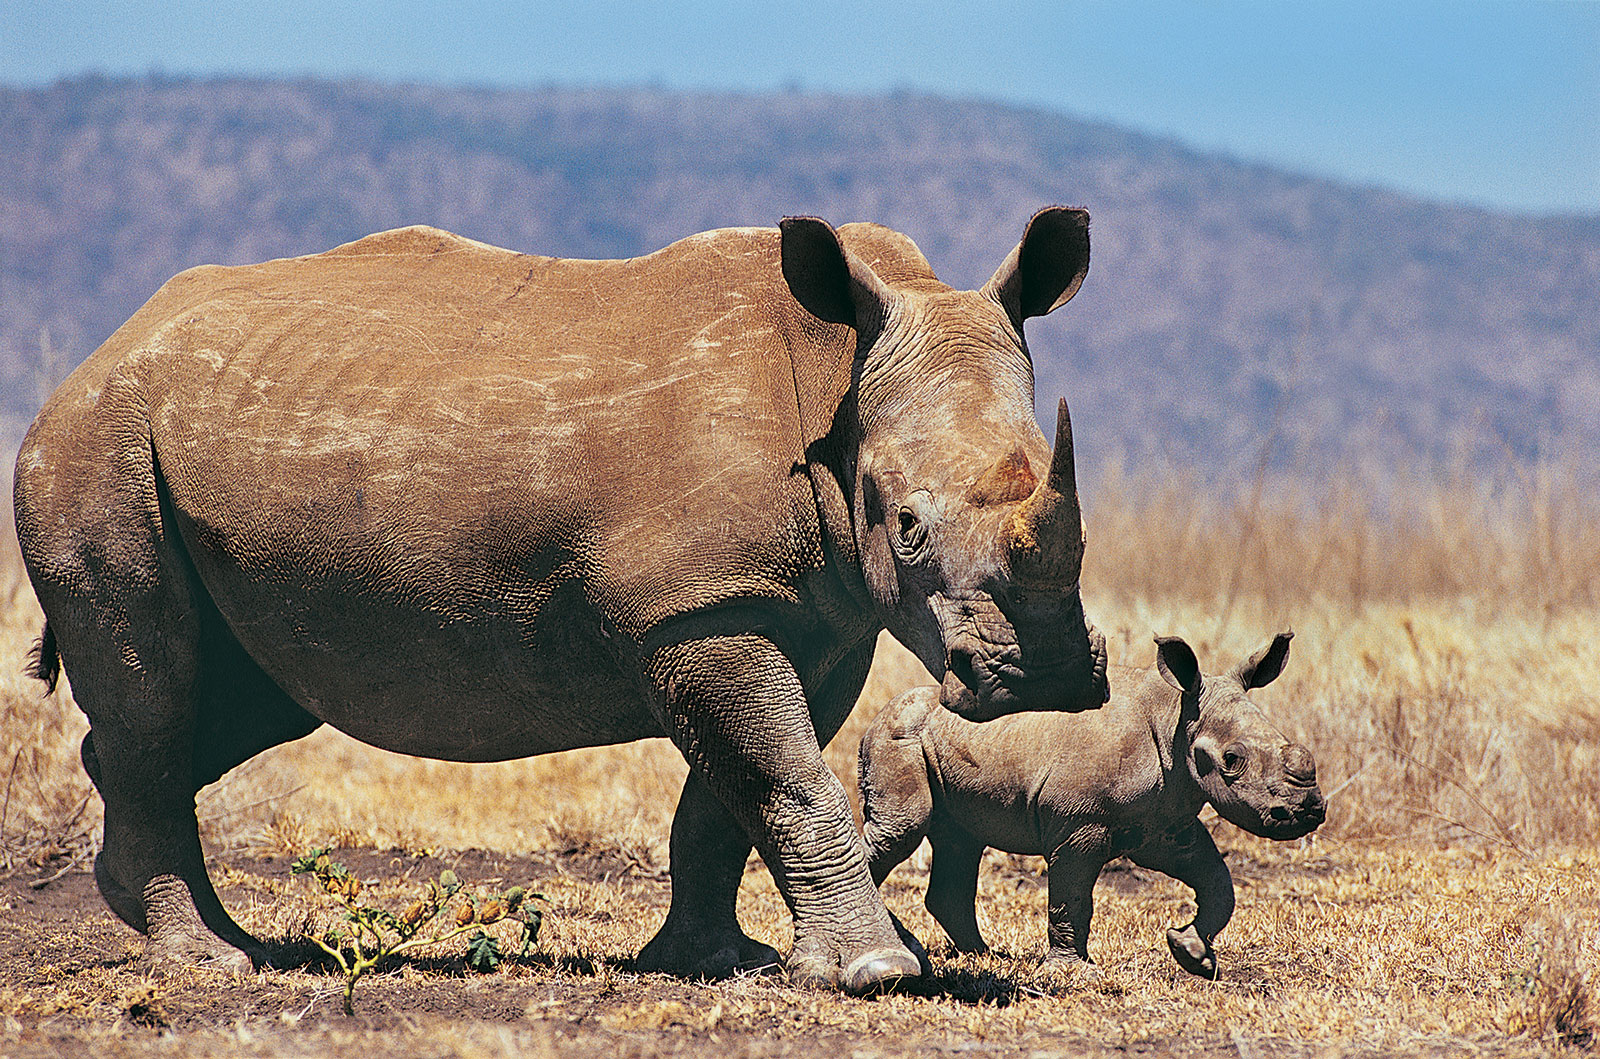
(1443, 672)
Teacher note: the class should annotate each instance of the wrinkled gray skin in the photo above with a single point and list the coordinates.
(1083, 789)
(476, 505)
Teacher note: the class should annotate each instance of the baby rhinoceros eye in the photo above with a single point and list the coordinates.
(1233, 760)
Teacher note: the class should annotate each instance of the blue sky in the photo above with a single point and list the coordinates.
(1495, 102)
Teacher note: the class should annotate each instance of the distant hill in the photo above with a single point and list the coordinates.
(1230, 308)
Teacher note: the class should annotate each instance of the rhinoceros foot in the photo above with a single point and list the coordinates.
(699, 955)
(1192, 952)
(180, 940)
(819, 966)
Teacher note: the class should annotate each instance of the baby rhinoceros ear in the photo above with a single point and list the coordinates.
(1176, 663)
(1263, 667)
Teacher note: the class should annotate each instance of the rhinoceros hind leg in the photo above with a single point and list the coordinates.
(152, 850)
(702, 937)
(953, 886)
(136, 665)
(135, 629)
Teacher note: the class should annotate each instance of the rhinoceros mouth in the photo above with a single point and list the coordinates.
(1289, 821)
(982, 682)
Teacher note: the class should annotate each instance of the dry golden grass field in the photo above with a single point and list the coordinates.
(1446, 671)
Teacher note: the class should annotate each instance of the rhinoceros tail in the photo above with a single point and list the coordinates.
(44, 661)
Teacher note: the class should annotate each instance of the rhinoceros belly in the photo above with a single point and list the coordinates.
(464, 670)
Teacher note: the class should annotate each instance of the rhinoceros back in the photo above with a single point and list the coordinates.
(431, 454)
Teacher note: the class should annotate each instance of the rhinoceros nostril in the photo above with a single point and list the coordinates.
(1278, 812)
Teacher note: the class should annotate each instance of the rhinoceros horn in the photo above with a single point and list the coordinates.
(1044, 545)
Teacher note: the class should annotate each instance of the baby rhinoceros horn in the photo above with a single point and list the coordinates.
(1044, 538)
(1299, 765)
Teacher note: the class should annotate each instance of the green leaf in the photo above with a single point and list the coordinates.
(304, 865)
(531, 920)
(387, 920)
(483, 952)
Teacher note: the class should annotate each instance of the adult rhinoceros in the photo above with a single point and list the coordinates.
(473, 504)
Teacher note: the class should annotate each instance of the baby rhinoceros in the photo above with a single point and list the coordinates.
(1080, 789)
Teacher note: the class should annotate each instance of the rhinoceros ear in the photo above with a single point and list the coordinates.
(1263, 667)
(1176, 663)
(1047, 267)
(828, 280)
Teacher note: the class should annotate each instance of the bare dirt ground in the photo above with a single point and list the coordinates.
(73, 984)
(59, 939)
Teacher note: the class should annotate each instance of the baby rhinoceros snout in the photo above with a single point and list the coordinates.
(1303, 809)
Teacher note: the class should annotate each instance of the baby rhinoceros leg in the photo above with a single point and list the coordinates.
(896, 806)
(953, 885)
(896, 802)
(1191, 857)
(1072, 876)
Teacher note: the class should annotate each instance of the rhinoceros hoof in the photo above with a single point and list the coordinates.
(872, 971)
(179, 940)
(880, 970)
(689, 957)
(1192, 952)
(162, 960)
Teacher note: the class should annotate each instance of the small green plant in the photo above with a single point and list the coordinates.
(445, 911)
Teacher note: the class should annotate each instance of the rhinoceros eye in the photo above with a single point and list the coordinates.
(911, 528)
(912, 534)
(1232, 761)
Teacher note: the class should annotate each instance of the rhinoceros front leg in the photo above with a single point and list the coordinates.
(1191, 857)
(1072, 876)
(702, 937)
(735, 707)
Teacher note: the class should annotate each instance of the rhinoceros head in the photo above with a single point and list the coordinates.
(966, 523)
(1250, 773)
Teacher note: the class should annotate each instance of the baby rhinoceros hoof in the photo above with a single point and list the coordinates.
(1192, 952)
